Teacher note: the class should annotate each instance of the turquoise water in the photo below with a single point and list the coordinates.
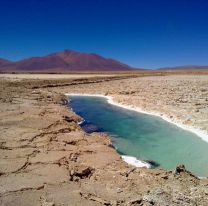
(143, 136)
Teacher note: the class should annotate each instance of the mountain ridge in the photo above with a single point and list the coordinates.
(4, 61)
(64, 61)
(184, 67)
(69, 60)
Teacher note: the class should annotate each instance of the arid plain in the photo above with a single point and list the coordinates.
(47, 159)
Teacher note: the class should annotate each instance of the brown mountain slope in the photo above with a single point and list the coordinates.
(4, 62)
(64, 61)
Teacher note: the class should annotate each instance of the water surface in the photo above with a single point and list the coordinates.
(143, 136)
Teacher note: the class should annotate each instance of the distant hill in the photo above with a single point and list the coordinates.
(191, 67)
(68, 60)
(4, 62)
(64, 61)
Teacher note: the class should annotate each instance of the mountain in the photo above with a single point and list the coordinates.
(4, 62)
(64, 61)
(190, 67)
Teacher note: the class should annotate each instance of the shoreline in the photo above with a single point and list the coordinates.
(47, 158)
(200, 133)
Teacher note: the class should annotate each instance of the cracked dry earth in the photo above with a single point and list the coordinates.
(46, 159)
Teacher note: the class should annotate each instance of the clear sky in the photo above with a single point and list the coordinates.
(141, 33)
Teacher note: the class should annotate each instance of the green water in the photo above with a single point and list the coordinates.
(143, 136)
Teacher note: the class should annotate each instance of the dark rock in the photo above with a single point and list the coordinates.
(81, 172)
(179, 169)
(67, 118)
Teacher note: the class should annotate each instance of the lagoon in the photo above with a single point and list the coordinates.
(146, 137)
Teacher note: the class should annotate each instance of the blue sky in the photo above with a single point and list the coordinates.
(148, 33)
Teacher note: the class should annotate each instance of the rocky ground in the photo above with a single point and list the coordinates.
(46, 159)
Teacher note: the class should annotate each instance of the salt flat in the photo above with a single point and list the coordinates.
(51, 76)
(47, 159)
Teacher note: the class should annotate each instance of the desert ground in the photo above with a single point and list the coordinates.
(20, 76)
(46, 159)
